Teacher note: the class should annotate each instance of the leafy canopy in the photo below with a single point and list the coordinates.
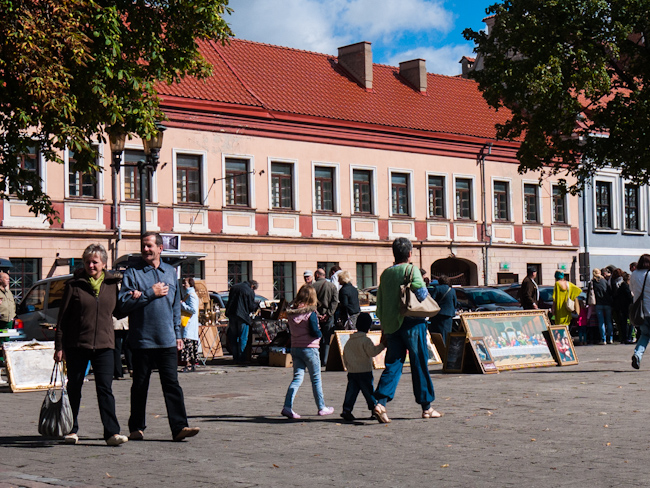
(69, 69)
(575, 75)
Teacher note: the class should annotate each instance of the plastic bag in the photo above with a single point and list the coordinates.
(55, 419)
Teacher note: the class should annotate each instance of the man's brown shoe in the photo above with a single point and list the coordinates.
(186, 432)
(136, 435)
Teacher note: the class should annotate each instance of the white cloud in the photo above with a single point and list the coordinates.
(325, 25)
(302, 24)
(389, 18)
(444, 61)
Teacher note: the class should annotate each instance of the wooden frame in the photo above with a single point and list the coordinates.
(483, 356)
(341, 337)
(29, 364)
(563, 345)
(455, 352)
(515, 339)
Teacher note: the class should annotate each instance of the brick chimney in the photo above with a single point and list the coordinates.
(415, 72)
(357, 61)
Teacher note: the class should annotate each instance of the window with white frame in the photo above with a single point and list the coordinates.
(400, 194)
(558, 202)
(464, 199)
(282, 186)
(604, 205)
(631, 202)
(531, 203)
(81, 185)
(362, 191)
(237, 182)
(30, 161)
(324, 188)
(501, 191)
(437, 196)
(188, 178)
(132, 175)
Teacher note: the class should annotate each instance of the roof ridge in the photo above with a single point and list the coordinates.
(239, 78)
(306, 51)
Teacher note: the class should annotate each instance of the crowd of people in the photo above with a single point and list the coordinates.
(99, 305)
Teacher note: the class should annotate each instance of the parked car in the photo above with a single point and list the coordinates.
(545, 294)
(220, 298)
(484, 298)
(39, 308)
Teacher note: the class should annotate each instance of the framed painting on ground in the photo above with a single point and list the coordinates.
(514, 339)
(563, 345)
(455, 352)
(483, 356)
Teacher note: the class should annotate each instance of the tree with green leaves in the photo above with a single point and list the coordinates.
(71, 69)
(575, 75)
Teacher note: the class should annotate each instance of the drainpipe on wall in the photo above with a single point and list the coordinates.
(486, 255)
(585, 194)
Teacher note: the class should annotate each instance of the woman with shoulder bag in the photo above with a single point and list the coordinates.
(640, 285)
(349, 308)
(604, 303)
(565, 299)
(190, 331)
(84, 333)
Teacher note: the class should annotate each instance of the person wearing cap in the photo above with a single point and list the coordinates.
(309, 277)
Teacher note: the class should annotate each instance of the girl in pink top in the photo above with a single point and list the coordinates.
(305, 338)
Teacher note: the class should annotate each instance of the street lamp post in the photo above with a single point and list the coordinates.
(116, 140)
(147, 168)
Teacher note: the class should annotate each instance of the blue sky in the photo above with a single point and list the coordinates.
(398, 30)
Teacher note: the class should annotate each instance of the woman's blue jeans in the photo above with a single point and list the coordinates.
(305, 358)
(644, 339)
(411, 337)
(604, 313)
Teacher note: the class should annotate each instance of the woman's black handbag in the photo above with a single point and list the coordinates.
(637, 314)
(55, 419)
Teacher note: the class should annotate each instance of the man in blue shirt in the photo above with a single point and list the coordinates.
(150, 296)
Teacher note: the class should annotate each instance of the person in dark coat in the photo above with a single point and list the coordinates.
(349, 308)
(622, 299)
(529, 292)
(84, 332)
(445, 296)
(241, 303)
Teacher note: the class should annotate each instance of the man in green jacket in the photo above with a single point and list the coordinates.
(403, 334)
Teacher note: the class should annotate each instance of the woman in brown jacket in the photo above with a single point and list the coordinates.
(84, 332)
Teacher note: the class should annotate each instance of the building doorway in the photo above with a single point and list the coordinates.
(460, 271)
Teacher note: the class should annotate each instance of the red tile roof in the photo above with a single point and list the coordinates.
(291, 81)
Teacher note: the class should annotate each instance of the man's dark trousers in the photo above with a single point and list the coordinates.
(166, 361)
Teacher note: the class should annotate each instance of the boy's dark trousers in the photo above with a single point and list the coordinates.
(359, 382)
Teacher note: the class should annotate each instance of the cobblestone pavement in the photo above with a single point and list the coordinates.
(574, 426)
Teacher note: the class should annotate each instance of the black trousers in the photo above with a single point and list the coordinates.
(102, 363)
(121, 345)
(166, 361)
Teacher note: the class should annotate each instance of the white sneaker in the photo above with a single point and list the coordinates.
(116, 440)
(71, 439)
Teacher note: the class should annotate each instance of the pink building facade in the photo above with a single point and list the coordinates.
(284, 160)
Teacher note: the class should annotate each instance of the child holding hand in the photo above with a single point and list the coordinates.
(357, 356)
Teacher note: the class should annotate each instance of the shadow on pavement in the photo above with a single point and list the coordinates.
(29, 441)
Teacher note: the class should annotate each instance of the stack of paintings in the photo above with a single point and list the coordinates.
(512, 340)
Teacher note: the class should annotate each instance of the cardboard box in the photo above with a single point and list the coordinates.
(283, 360)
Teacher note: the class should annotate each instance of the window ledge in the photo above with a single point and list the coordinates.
(364, 216)
(503, 222)
(402, 217)
(561, 224)
(85, 199)
(238, 207)
(438, 219)
(327, 212)
(601, 230)
(631, 232)
(283, 211)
